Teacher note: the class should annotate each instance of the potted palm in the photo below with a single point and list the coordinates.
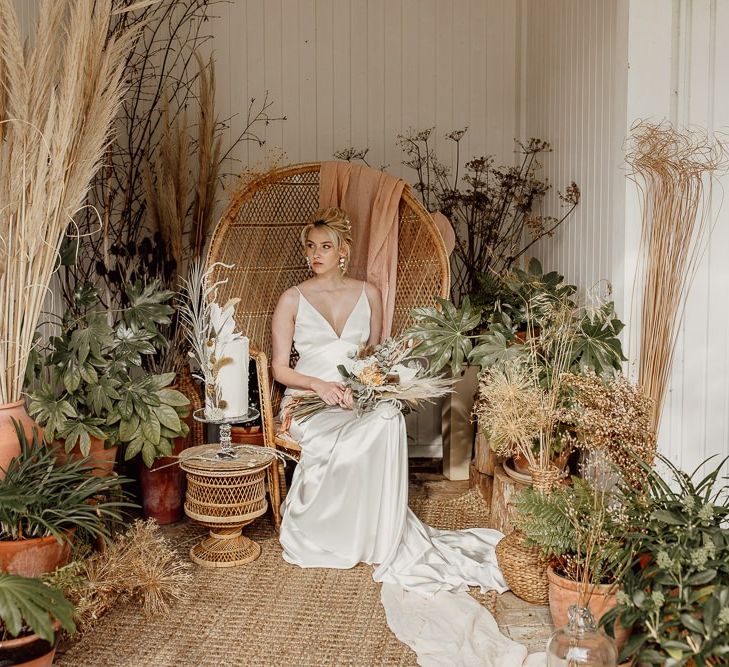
(31, 613)
(44, 502)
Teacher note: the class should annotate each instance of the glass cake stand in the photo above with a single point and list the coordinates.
(226, 451)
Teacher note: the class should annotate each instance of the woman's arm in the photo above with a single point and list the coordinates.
(373, 296)
(282, 336)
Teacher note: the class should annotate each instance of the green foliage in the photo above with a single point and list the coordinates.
(578, 527)
(149, 417)
(29, 606)
(40, 497)
(93, 364)
(443, 333)
(459, 335)
(676, 594)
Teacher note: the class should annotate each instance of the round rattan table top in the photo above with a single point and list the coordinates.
(202, 459)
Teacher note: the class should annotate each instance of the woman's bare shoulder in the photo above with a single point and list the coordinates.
(289, 298)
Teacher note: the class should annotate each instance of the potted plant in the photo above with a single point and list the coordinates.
(31, 613)
(579, 528)
(43, 502)
(44, 180)
(97, 394)
(675, 594)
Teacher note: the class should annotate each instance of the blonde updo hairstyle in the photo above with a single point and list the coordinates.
(336, 223)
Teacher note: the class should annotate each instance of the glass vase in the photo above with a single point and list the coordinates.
(580, 643)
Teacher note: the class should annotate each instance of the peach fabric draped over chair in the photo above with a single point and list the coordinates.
(371, 199)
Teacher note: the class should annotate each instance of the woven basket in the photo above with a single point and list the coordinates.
(186, 386)
(545, 479)
(524, 568)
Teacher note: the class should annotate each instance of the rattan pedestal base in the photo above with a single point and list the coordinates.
(225, 496)
(220, 550)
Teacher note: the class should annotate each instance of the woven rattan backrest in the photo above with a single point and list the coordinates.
(259, 234)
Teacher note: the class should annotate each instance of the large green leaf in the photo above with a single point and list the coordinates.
(151, 429)
(129, 428)
(173, 397)
(168, 417)
(443, 335)
(30, 602)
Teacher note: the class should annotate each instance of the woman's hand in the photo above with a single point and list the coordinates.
(329, 392)
(347, 401)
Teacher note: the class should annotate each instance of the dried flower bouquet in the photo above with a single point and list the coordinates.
(388, 373)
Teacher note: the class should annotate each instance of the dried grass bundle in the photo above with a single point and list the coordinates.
(208, 159)
(672, 169)
(60, 97)
(139, 566)
(614, 417)
(167, 199)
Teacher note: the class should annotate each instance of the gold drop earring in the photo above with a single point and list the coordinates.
(342, 264)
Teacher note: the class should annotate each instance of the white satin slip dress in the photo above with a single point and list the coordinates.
(348, 503)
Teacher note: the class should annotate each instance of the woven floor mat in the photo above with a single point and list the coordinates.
(269, 612)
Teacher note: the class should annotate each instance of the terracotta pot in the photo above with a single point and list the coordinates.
(34, 556)
(29, 651)
(521, 464)
(247, 435)
(564, 592)
(163, 485)
(9, 445)
(101, 458)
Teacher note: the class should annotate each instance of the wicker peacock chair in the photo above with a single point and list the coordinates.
(259, 234)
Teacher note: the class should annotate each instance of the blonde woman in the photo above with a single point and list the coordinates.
(348, 501)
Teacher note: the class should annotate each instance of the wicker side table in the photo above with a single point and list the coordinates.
(225, 496)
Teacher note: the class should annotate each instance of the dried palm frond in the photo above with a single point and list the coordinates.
(672, 169)
(60, 97)
(167, 197)
(208, 159)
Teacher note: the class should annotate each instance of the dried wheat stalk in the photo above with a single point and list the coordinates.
(60, 97)
(672, 169)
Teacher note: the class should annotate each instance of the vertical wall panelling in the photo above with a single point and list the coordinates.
(357, 73)
(676, 74)
(341, 117)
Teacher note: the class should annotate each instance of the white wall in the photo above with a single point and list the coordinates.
(678, 61)
(359, 72)
(592, 68)
(572, 95)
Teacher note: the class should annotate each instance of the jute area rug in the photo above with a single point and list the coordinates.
(269, 612)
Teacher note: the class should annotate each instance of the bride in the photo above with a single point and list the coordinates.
(348, 501)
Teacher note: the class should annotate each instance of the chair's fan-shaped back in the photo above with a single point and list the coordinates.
(259, 235)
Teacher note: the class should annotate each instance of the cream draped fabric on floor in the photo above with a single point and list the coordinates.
(348, 504)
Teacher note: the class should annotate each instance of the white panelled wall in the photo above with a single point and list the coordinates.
(356, 73)
(592, 68)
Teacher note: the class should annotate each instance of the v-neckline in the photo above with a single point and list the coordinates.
(328, 323)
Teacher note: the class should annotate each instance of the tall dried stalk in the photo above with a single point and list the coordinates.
(61, 95)
(672, 169)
